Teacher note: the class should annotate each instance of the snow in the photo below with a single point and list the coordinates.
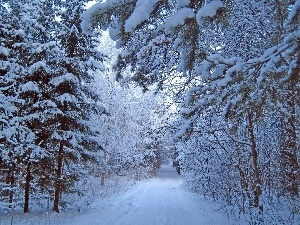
(178, 18)
(66, 97)
(223, 82)
(95, 64)
(47, 103)
(114, 29)
(183, 3)
(88, 15)
(142, 12)
(209, 9)
(260, 79)
(30, 86)
(4, 64)
(219, 71)
(159, 200)
(66, 77)
(293, 12)
(86, 24)
(184, 128)
(20, 32)
(4, 51)
(151, 45)
(189, 94)
(177, 42)
(185, 111)
(36, 66)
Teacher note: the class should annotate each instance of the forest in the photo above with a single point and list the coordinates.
(113, 91)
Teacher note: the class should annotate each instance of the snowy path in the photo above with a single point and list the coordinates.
(158, 201)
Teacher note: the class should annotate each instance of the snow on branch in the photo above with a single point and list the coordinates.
(45, 104)
(88, 15)
(66, 97)
(209, 10)
(293, 12)
(4, 51)
(66, 77)
(236, 139)
(178, 18)
(142, 12)
(183, 3)
(188, 124)
(36, 66)
(101, 13)
(154, 43)
(30, 86)
(262, 63)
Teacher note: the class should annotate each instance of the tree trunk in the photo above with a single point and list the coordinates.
(243, 179)
(289, 161)
(57, 192)
(12, 183)
(256, 174)
(27, 188)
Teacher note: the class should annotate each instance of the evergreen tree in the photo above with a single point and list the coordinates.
(32, 50)
(75, 134)
(54, 104)
(7, 102)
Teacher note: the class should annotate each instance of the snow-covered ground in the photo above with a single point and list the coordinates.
(157, 201)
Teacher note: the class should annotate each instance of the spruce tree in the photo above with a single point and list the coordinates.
(75, 134)
(32, 50)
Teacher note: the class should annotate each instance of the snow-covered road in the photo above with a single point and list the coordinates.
(157, 201)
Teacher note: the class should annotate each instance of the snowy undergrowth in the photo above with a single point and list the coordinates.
(91, 189)
(276, 210)
(281, 210)
(160, 200)
(92, 192)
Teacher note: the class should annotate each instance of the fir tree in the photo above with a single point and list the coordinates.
(75, 135)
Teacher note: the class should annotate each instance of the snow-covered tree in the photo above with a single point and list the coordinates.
(7, 104)
(32, 49)
(128, 130)
(237, 61)
(75, 136)
(50, 126)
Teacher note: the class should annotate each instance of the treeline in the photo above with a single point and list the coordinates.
(46, 108)
(54, 128)
(232, 67)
